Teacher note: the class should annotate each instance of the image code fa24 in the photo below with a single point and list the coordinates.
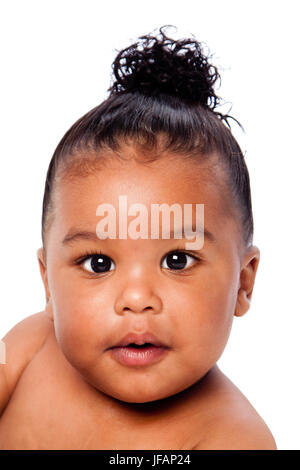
(157, 459)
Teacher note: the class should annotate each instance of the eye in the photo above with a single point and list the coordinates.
(178, 260)
(98, 264)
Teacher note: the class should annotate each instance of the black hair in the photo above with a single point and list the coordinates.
(161, 87)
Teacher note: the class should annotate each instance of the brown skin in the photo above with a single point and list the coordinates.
(181, 401)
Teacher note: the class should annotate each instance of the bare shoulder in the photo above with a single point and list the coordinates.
(22, 342)
(232, 423)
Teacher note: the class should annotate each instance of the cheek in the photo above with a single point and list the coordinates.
(82, 318)
(205, 314)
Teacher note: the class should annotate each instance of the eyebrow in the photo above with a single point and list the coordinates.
(76, 235)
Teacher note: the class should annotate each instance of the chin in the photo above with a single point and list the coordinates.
(136, 394)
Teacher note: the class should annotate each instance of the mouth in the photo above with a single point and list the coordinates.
(139, 350)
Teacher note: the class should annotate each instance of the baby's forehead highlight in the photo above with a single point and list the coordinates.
(206, 171)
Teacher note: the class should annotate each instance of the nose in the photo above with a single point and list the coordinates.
(138, 297)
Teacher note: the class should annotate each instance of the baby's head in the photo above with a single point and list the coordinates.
(155, 140)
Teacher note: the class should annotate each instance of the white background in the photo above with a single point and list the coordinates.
(55, 66)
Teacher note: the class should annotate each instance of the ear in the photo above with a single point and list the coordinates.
(43, 270)
(247, 278)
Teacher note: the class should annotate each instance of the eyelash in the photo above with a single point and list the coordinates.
(89, 253)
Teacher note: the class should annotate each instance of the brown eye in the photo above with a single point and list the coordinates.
(98, 264)
(178, 260)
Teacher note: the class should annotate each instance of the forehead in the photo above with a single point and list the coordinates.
(167, 180)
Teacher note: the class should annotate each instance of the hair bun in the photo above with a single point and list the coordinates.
(160, 64)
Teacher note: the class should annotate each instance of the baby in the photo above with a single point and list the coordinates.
(124, 356)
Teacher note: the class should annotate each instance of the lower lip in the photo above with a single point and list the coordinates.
(130, 356)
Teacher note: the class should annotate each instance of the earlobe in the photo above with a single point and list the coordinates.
(247, 278)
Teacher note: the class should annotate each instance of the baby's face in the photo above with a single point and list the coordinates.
(102, 290)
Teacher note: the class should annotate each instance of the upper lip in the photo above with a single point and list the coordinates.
(139, 339)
